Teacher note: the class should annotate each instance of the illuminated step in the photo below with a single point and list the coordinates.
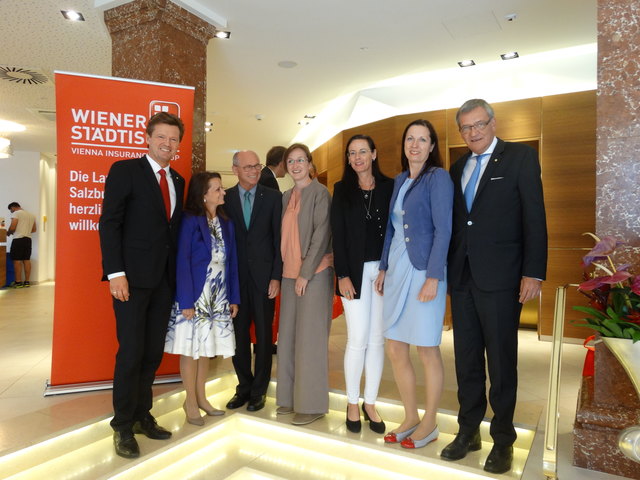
(260, 445)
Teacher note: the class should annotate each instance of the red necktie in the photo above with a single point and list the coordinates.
(164, 188)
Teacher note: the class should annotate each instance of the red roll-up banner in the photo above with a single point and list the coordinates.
(99, 120)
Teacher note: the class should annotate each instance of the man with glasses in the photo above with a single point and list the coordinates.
(497, 261)
(255, 211)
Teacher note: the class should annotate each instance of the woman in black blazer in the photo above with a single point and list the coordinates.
(359, 214)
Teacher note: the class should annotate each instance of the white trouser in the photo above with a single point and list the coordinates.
(365, 343)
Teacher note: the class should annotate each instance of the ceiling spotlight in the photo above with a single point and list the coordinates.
(466, 63)
(208, 126)
(5, 148)
(509, 55)
(72, 15)
(7, 126)
(222, 34)
(287, 64)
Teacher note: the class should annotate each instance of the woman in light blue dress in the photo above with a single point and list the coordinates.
(412, 276)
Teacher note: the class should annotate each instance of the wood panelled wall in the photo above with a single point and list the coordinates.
(563, 127)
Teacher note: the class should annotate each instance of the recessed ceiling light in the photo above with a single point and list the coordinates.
(221, 34)
(466, 63)
(287, 64)
(72, 15)
(7, 126)
(509, 55)
(5, 148)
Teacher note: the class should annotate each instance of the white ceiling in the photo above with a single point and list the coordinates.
(350, 54)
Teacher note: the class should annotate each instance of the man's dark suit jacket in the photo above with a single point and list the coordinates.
(268, 179)
(259, 257)
(505, 235)
(135, 236)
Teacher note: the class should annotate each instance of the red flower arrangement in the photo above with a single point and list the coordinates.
(614, 298)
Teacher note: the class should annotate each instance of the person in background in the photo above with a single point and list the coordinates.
(141, 214)
(497, 262)
(307, 294)
(207, 291)
(412, 274)
(22, 225)
(275, 168)
(256, 213)
(359, 214)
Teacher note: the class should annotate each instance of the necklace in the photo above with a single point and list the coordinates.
(367, 188)
(365, 194)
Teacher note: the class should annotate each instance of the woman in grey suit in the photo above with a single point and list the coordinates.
(306, 293)
(412, 269)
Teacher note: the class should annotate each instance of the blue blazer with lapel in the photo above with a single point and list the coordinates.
(194, 256)
(427, 221)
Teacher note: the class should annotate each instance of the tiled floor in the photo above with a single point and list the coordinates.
(27, 417)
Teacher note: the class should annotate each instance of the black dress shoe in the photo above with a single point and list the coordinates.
(150, 428)
(499, 459)
(256, 403)
(378, 427)
(353, 426)
(236, 402)
(125, 444)
(461, 445)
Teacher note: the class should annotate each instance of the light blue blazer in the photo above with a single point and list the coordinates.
(426, 218)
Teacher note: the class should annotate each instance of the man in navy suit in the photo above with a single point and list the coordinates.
(497, 261)
(255, 211)
(141, 214)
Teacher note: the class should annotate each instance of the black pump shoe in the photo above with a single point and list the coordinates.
(353, 425)
(378, 427)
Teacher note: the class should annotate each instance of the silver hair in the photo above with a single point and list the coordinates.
(472, 105)
(235, 158)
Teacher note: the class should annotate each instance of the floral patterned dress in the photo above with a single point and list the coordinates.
(210, 331)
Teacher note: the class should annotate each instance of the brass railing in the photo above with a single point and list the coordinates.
(550, 454)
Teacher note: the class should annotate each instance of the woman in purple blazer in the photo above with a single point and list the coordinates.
(207, 291)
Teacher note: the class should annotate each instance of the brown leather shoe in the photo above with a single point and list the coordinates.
(125, 444)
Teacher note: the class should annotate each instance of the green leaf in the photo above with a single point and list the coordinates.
(598, 328)
(590, 311)
(614, 327)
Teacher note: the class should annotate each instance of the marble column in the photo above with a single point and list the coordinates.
(618, 127)
(157, 40)
(608, 403)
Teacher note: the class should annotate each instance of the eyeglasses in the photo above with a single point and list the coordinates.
(291, 161)
(362, 152)
(248, 168)
(480, 126)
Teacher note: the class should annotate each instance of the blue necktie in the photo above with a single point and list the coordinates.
(470, 190)
(246, 209)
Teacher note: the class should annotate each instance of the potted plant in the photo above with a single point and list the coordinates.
(613, 292)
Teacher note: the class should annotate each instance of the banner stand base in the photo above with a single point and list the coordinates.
(95, 386)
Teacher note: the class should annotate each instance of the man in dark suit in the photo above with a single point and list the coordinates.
(497, 261)
(255, 211)
(275, 168)
(138, 231)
